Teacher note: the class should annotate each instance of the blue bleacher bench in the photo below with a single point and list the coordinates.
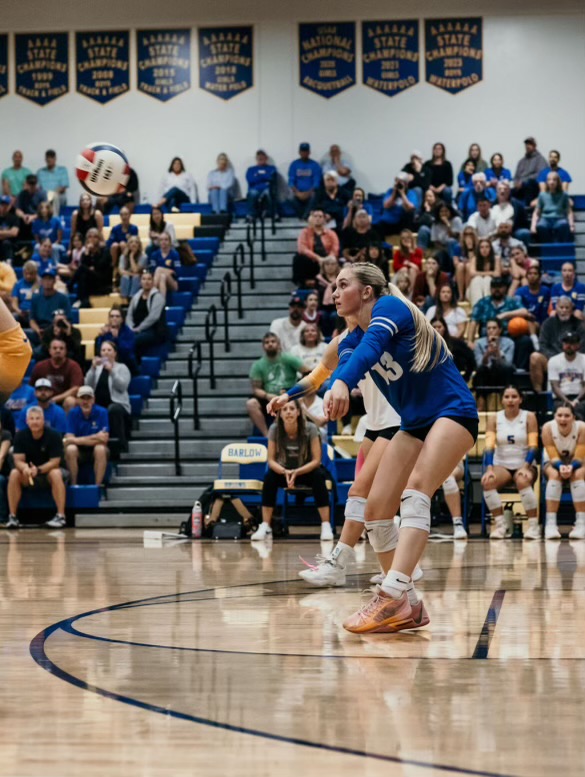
(182, 299)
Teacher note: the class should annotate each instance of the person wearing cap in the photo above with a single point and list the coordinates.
(419, 175)
(304, 178)
(55, 417)
(13, 178)
(261, 179)
(570, 287)
(65, 374)
(87, 436)
(526, 186)
(400, 206)
(46, 301)
(566, 374)
(554, 158)
(334, 160)
(54, 179)
(288, 329)
(471, 195)
(331, 199)
(9, 228)
(550, 339)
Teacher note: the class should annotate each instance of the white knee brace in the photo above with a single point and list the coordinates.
(492, 500)
(554, 490)
(383, 535)
(355, 508)
(528, 498)
(578, 490)
(450, 486)
(415, 510)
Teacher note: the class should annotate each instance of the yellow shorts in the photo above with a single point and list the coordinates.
(15, 355)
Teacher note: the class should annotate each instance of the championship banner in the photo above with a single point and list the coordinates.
(327, 57)
(3, 65)
(103, 64)
(390, 55)
(226, 60)
(163, 62)
(42, 66)
(454, 53)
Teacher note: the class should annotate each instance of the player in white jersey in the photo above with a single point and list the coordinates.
(510, 449)
(563, 439)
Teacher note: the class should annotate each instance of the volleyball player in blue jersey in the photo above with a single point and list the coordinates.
(411, 363)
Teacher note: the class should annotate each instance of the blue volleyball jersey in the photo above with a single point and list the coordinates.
(386, 350)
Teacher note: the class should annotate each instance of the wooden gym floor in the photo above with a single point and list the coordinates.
(208, 659)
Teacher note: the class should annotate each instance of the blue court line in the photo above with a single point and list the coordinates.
(489, 626)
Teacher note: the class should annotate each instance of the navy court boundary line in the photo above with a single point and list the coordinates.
(489, 626)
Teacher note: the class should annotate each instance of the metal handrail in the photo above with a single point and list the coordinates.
(250, 240)
(262, 237)
(239, 261)
(194, 370)
(210, 330)
(225, 294)
(175, 411)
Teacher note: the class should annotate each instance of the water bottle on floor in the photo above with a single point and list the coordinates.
(196, 520)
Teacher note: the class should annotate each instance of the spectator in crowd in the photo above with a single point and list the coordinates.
(178, 187)
(62, 329)
(566, 374)
(440, 172)
(504, 243)
(70, 265)
(408, 257)
(13, 178)
(22, 293)
(5, 467)
(553, 220)
(483, 267)
(289, 328)
(110, 379)
(94, 275)
(157, 226)
(494, 356)
(336, 162)
(311, 347)
(554, 158)
(166, 263)
(507, 209)
(120, 234)
(21, 397)
(496, 172)
(326, 283)
(375, 254)
(45, 302)
(220, 184)
(465, 176)
(312, 314)
(426, 216)
(86, 217)
(54, 180)
(533, 296)
(44, 256)
(315, 242)
(462, 259)
(64, 373)
(146, 315)
(37, 457)
(27, 205)
(471, 196)
(48, 226)
(88, 433)
(402, 280)
(131, 263)
(9, 229)
(272, 374)
(357, 238)
(447, 309)
(419, 174)
(444, 232)
(569, 287)
(7, 282)
(474, 153)
(55, 417)
(551, 340)
(399, 207)
(357, 202)
(462, 353)
(525, 186)
(482, 220)
(304, 178)
(332, 200)
(128, 198)
(261, 179)
(118, 332)
(519, 264)
(428, 282)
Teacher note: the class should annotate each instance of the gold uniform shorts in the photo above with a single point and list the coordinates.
(15, 355)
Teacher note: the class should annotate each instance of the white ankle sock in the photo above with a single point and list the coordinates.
(579, 517)
(395, 584)
(457, 519)
(412, 595)
(340, 553)
(551, 518)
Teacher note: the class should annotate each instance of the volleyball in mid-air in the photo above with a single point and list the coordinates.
(102, 169)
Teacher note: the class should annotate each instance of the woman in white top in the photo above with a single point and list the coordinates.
(563, 439)
(177, 187)
(220, 184)
(446, 308)
(511, 444)
(311, 348)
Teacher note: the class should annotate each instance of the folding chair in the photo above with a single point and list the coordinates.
(251, 459)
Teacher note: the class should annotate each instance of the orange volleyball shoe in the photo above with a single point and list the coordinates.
(382, 610)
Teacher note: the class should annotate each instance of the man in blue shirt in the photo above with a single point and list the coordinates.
(261, 179)
(46, 301)
(569, 287)
(54, 179)
(88, 433)
(22, 292)
(304, 178)
(55, 416)
(471, 195)
(554, 157)
(535, 297)
(400, 206)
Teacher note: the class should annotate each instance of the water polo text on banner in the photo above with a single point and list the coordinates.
(42, 66)
(226, 65)
(327, 57)
(163, 62)
(103, 64)
(454, 53)
(3, 64)
(390, 55)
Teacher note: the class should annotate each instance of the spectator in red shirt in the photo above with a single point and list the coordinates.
(314, 244)
(407, 256)
(65, 374)
(427, 284)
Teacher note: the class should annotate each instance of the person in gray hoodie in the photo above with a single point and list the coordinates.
(109, 380)
(146, 315)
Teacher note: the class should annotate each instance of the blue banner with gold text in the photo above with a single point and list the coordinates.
(226, 60)
(454, 53)
(103, 64)
(327, 57)
(163, 62)
(390, 55)
(42, 66)
(3, 64)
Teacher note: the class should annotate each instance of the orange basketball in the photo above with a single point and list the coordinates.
(517, 327)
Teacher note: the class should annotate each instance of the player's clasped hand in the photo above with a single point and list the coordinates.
(337, 401)
(565, 471)
(276, 404)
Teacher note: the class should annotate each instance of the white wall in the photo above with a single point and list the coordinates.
(534, 60)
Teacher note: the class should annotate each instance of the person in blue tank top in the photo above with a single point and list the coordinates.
(412, 364)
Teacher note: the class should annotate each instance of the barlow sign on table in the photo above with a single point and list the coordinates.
(42, 66)
(103, 65)
(454, 53)
(3, 64)
(164, 62)
(327, 57)
(390, 55)
(226, 60)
